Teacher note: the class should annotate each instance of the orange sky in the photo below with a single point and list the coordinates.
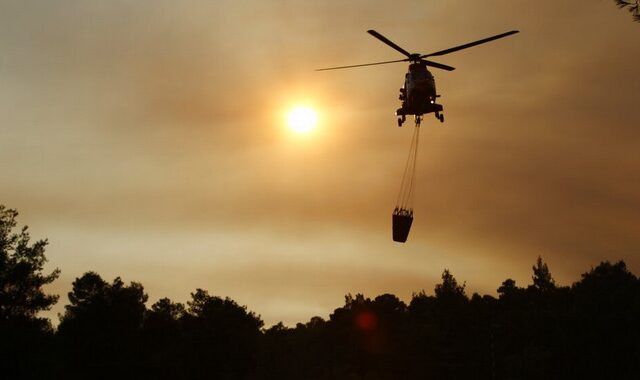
(147, 140)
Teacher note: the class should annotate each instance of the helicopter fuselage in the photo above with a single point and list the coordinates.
(418, 95)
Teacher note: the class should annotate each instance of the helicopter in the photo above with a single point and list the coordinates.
(418, 95)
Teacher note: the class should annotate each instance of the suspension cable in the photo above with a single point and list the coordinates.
(405, 196)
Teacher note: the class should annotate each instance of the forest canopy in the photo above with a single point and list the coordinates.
(543, 330)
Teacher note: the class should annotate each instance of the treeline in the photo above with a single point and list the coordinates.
(590, 329)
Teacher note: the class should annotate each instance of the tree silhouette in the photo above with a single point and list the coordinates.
(542, 279)
(605, 322)
(220, 337)
(448, 290)
(162, 340)
(25, 338)
(100, 328)
(508, 289)
(633, 6)
(304, 352)
(94, 301)
(21, 273)
(164, 316)
(588, 330)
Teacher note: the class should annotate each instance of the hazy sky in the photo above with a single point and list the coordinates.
(147, 140)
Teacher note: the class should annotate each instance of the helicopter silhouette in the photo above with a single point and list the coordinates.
(418, 95)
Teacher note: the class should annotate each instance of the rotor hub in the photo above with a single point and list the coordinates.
(415, 57)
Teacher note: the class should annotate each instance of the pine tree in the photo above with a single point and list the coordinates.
(542, 279)
(633, 6)
(21, 273)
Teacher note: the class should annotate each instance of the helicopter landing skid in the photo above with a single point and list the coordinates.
(418, 114)
(401, 119)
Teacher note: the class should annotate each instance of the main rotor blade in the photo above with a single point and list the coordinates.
(470, 44)
(364, 64)
(388, 42)
(438, 65)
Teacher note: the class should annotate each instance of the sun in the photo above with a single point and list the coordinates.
(302, 119)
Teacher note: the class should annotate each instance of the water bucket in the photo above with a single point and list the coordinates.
(401, 222)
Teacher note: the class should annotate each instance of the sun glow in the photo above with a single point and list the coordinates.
(302, 119)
